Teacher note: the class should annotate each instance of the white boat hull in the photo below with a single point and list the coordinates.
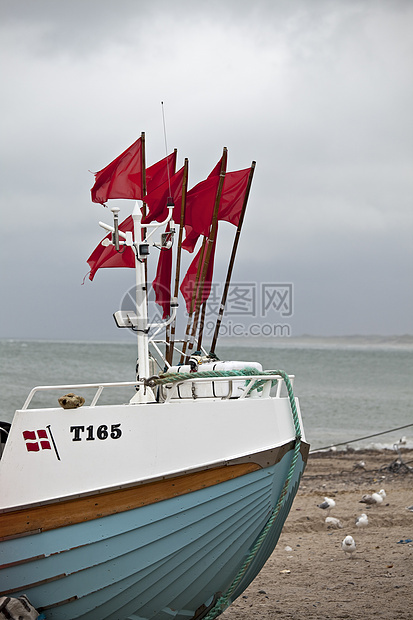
(145, 511)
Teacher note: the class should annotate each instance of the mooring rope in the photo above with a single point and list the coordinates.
(344, 443)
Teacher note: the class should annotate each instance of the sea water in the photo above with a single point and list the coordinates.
(347, 390)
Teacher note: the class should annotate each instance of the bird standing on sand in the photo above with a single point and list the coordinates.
(348, 545)
(327, 504)
(362, 520)
(372, 500)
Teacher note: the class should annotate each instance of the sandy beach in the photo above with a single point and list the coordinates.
(309, 576)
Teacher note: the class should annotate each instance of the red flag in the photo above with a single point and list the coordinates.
(122, 178)
(106, 256)
(162, 282)
(188, 283)
(157, 199)
(191, 238)
(217, 170)
(200, 202)
(160, 172)
(233, 194)
(202, 205)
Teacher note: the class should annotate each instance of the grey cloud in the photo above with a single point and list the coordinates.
(319, 94)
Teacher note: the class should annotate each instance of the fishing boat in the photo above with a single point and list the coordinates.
(168, 503)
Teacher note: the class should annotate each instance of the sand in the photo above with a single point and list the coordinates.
(308, 575)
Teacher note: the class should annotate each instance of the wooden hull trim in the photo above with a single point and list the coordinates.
(52, 516)
(36, 519)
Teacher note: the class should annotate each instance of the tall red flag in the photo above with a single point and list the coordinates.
(215, 172)
(106, 256)
(160, 172)
(200, 202)
(156, 199)
(122, 178)
(162, 282)
(201, 206)
(199, 199)
(233, 194)
(188, 283)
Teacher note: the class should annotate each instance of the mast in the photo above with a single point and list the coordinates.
(142, 326)
(140, 295)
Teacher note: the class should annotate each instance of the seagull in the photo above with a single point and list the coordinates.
(362, 520)
(333, 522)
(327, 504)
(371, 500)
(348, 545)
(383, 493)
(409, 508)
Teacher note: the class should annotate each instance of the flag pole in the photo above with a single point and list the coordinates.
(194, 294)
(170, 347)
(232, 261)
(198, 290)
(201, 326)
(168, 327)
(210, 243)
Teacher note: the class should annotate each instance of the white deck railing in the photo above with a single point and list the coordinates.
(250, 380)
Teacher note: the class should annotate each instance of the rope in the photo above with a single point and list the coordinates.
(224, 600)
(344, 443)
(174, 377)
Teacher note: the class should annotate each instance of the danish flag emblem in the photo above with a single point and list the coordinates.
(37, 440)
(41, 439)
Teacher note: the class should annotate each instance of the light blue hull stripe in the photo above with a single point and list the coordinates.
(160, 561)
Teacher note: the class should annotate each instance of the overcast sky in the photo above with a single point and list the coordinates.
(318, 92)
